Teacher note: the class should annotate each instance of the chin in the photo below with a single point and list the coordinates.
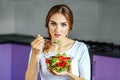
(57, 37)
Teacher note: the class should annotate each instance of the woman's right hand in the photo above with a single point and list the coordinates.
(37, 44)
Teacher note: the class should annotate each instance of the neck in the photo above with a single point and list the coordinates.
(59, 42)
(59, 46)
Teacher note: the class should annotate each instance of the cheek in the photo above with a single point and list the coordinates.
(66, 31)
(51, 28)
(51, 31)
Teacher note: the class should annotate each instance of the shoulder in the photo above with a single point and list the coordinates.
(81, 47)
(80, 44)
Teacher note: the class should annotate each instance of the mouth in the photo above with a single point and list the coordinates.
(57, 35)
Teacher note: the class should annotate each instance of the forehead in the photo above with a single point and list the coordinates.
(58, 17)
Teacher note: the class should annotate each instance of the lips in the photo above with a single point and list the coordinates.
(57, 35)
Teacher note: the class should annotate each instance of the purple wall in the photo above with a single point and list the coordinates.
(105, 68)
(13, 61)
(20, 55)
(5, 61)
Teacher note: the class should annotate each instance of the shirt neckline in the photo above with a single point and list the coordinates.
(64, 50)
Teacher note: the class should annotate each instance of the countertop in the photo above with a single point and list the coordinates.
(95, 48)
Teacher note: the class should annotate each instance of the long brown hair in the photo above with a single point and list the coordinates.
(63, 9)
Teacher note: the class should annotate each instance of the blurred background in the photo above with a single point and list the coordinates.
(96, 22)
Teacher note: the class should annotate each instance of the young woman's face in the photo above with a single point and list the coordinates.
(58, 26)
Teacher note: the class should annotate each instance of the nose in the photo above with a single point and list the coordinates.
(57, 28)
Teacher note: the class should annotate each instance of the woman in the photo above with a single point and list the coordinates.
(59, 23)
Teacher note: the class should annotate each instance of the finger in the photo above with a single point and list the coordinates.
(36, 40)
(38, 44)
(40, 41)
(34, 44)
(60, 73)
(38, 35)
(51, 71)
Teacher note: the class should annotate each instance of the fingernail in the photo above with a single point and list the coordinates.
(38, 35)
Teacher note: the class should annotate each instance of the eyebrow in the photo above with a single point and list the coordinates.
(55, 22)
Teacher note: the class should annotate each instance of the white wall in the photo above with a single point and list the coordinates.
(7, 12)
(96, 20)
(30, 17)
(109, 21)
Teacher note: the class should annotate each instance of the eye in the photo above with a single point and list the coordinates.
(53, 24)
(64, 24)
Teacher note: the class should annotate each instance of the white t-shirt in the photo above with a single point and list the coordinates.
(80, 64)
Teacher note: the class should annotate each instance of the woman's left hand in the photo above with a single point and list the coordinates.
(64, 73)
(67, 73)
